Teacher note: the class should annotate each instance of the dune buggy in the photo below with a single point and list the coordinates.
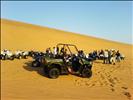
(64, 64)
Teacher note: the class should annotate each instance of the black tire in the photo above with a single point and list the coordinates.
(0, 57)
(25, 57)
(86, 73)
(20, 57)
(3, 58)
(54, 73)
(36, 64)
(12, 58)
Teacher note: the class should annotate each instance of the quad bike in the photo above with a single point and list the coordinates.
(6, 54)
(21, 54)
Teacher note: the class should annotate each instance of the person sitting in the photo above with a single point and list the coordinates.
(48, 52)
(54, 51)
(75, 63)
(62, 51)
(81, 54)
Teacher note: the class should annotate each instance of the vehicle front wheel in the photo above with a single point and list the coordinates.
(54, 73)
(86, 73)
(3, 58)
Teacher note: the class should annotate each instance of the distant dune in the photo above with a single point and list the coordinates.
(21, 82)
(27, 36)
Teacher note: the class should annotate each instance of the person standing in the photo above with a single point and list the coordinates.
(113, 57)
(118, 56)
(105, 57)
(109, 56)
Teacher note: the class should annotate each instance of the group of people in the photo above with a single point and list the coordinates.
(109, 56)
(56, 51)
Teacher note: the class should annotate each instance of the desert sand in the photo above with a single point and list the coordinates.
(19, 81)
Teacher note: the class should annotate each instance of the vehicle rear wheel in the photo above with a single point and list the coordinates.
(35, 64)
(86, 73)
(18, 57)
(3, 58)
(54, 73)
(25, 57)
(11, 58)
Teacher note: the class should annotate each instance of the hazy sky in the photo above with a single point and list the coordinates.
(105, 19)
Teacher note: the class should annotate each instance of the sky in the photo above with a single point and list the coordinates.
(110, 20)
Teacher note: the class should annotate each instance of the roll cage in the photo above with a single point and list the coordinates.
(68, 47)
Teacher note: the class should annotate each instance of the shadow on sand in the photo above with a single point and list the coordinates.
(39, 70)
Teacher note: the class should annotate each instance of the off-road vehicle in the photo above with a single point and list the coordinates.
(6, 54)
(67, 63)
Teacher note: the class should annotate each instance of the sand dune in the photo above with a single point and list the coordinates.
(21, 82)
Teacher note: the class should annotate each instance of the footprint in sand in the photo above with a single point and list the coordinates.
(99, 72)
(125, 88)
(106, 83)
(102, 77)
(95, 73)
(111, 80)
(108, 75)
(117, 80)
(101, 83)
(77, 82)
(128, 95)
(87, 84)
(111, 85)
(91, 85)
(112, 89)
